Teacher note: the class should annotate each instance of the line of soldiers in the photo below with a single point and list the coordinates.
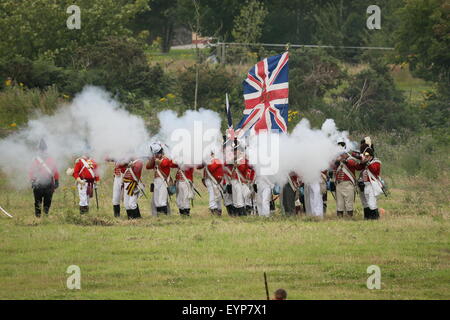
(233, 184)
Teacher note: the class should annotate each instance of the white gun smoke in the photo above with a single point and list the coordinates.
(305, 151)
(192, 136)
(93, 119)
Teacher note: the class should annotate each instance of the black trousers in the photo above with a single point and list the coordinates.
(42, 194)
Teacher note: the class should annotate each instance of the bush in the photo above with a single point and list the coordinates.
(372, 102)
(18, 103)
(311, 74)
(214, 82)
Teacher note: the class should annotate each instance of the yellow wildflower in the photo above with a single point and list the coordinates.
(8, 82)
(162, 99)
(13, 125)
(65, 96)
(170, 96)
(21, 84)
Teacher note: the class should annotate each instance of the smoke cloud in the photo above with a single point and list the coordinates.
(93, 119)
(306, 151)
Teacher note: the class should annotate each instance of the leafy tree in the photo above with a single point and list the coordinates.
(34, 28)
(423, 39)
(249, 23)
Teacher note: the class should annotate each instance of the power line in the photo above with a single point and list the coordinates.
(301, 46)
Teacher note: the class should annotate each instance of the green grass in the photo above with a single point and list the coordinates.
(204, 257)
(414, 89)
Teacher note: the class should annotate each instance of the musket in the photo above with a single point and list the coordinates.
(141, 189)
(4, 211)
(96, 195)
(267, 287)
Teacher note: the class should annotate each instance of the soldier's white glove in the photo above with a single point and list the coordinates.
(80, 181)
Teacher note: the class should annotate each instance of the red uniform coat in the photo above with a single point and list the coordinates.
(215, 167)
(136, 166)
(374, 166)
(79, 171)
(39, 173)
(165, 166)
(243, 166)
(188, 172)
(340, 175)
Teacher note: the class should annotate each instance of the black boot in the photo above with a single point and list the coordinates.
(229, 210)
(84, 209)
(162, 210)
(187, 212)
(181, 211)
(116, 209)
(374, 214)
(130, 214)
(137, 213)
(248, 210)
(219, 212)
(350, 213)
(37, 211)
(340, 214)
(366, 213)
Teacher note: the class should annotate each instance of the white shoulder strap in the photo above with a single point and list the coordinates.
(44, 165)
(86, 166)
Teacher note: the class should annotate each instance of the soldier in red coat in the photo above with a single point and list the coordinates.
(86, 175)
(161, 164)
(44, 177)
(213, 179)
(239, 182)
(133, 186)
(185, 188)
(370, 186)
(119, 169)
(345, 181)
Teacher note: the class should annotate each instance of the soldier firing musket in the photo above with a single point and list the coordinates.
(344, 180)
(239, 182)
(185, 188)
(162, 185)
(133, 187)
(117, 195)
(213, 179)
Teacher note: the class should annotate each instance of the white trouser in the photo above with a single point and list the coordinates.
(130, 202)
(313, 200)
(240, 193)
(248, 194)
(160, 195)
(82, 192)
(368, 198)
(117, 190)
(227, 198)
(184, 195)
(263, 197)
(215, 199)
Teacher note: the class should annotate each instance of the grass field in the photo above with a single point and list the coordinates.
(204, 257)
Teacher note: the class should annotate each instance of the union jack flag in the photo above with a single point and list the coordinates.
(266, 94)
